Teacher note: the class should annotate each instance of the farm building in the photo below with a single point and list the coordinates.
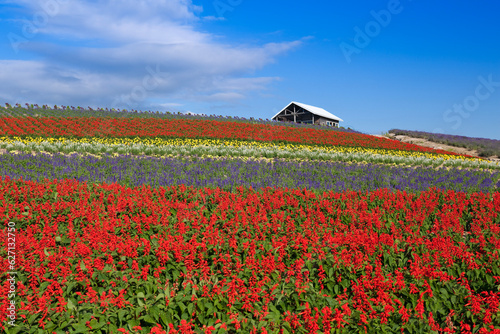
(303, 113)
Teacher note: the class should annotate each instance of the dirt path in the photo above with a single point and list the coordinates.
(434, 145)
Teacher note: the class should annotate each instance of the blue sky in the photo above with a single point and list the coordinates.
(417, 65)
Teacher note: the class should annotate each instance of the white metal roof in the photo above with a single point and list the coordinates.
(315, 110)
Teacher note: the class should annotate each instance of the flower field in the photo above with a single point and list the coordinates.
(179, 225)
(185, 128)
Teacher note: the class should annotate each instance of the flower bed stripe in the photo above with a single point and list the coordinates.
(106, 257)
(145, 127)
(228, 174)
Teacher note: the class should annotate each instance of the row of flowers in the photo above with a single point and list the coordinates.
(106, 258)
(230, 173)
(34, 110)
(237, 148)
(182, 128)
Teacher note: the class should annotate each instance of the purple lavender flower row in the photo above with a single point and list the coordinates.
(231, 173)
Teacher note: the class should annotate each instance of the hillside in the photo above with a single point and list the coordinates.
(148, 223)
(480, 147)
(72, 122)
(437, 145)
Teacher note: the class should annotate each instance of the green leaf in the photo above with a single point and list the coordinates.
(69, 288)
(32, 318)
(13, 329)
(181, 306)
(112, 328)
(141, 295)
(64, 324)
(96, 325)
(190, 308)
(155, 313)
(209, 306)
(121, 315)
(44, 285)
(80, 328)
(149, 319)
(444, 292)
(132, 323)
(165, 319)
(70, 305)
(175, 274)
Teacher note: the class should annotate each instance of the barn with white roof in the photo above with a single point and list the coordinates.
(303, 113)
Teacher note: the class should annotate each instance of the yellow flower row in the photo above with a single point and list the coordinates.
(231, 143)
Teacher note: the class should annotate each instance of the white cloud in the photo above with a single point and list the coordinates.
(224, 96)
(140, 37)
(34, 81)
(172, 104)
